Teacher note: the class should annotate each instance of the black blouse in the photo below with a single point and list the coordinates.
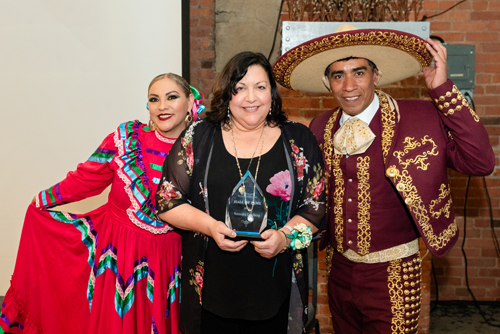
(245, 285)
(185, 181)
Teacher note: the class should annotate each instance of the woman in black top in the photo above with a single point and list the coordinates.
(231, 285)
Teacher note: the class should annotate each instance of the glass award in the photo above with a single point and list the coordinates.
(246, 209)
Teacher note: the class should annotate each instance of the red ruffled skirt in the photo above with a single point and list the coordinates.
(92, 274)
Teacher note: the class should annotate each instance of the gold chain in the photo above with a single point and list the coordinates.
(242, 187)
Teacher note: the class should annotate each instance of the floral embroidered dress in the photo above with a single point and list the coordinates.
(292, 185)
(113, 270)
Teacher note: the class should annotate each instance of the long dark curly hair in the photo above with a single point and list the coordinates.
(224, 89)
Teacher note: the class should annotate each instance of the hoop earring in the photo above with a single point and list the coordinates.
(188, 119)
(151, 125)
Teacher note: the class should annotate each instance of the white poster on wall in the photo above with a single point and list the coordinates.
(70, 73)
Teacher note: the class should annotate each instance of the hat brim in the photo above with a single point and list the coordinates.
(398, 55)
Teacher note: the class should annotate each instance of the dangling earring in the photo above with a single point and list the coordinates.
(188, 119)
(151, 125)
(228, 111)
(270, 110)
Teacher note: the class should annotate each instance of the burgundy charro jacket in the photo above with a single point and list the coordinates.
(418, 143)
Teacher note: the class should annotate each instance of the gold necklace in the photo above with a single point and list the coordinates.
(242, 187)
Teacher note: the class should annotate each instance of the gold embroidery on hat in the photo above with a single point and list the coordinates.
(364, 201)
(411, 45)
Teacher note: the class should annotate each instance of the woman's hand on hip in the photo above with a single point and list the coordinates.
(273, 244)
(219, 231)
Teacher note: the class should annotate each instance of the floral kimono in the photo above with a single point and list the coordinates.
(184, 180)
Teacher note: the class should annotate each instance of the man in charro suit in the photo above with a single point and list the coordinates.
(386, 167)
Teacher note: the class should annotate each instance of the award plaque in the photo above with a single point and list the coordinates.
(246, 209)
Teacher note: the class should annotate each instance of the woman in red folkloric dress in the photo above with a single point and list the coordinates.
(115, 269)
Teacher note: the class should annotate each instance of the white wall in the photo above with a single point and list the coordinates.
(70, 72)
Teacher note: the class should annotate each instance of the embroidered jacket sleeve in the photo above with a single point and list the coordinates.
(89, 179)
(468, 148)
(175, 182)
(308, 166)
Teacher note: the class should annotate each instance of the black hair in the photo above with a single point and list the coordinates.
(372, 64)
(225, 87)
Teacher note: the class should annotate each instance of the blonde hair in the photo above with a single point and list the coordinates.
(182, 83)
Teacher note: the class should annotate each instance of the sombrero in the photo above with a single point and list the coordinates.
(398, 55)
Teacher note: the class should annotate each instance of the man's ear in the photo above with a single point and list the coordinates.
(326, 82)
(377, 75)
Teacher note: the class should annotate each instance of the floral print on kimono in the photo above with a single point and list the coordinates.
(280, 186)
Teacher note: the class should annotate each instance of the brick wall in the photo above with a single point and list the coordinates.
(472, 22)
(477, 23)
(202, 26)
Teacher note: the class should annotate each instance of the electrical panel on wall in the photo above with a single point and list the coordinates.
(298, 32)
(461, 60)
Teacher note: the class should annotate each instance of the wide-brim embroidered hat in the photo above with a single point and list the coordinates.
(398, 55)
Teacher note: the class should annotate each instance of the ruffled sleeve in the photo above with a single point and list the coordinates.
(133, 172)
